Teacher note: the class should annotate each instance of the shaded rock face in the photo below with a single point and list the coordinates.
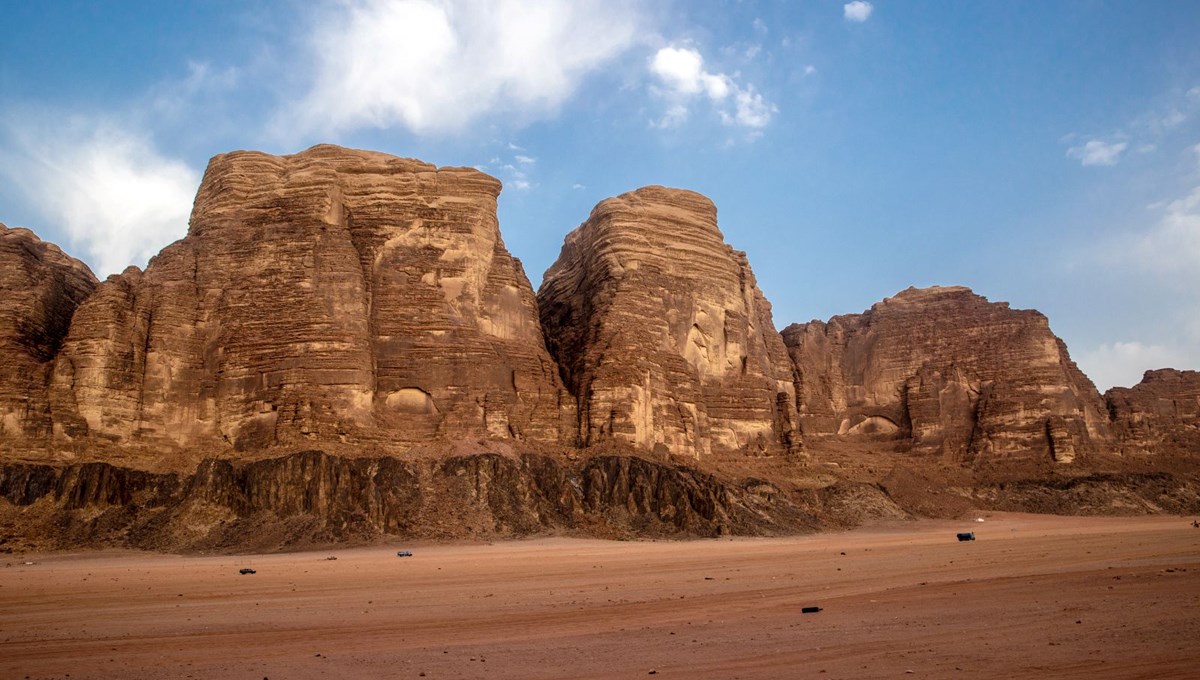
(1161, 414)
(328, 295)
(41, 287)
(313, 497)
(662, 333)
(960, 376)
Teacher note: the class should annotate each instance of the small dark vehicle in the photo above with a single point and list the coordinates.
(403, 553)
(968, 536)
(246, 570)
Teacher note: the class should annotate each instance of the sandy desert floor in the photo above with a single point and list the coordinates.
(1034, 596)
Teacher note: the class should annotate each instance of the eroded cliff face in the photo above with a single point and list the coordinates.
(661, 331)
(960, 376)
(1159, 415)
(331, 295)
(312, 498)
(41, 288)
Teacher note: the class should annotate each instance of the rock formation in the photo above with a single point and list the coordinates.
(1161, 414)
(662, 334)
(331, 295)
(312, 497)
(346, 349)
(40, 287)
(960, 376)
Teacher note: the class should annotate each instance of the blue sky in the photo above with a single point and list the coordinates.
(1042, 153)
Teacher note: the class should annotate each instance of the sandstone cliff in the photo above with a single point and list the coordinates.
(1159, 415)
(662, 334)
(40, 288)
(331, 295)
(957, 375)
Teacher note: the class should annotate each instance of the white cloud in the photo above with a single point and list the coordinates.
(1121, 364)
(118, 198)
(857, 11)
(524, 160)
(675, 115)
(681, 70)
(173, 98)
(1173, 246)
(810, 70)
(438, 65)
(1097, 152)
(752, 110)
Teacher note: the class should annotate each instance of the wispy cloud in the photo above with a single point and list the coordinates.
(514, 170)
(1098, 152)
(434, 66)
(1121, 364)
(681, 72)
(1163, 260)
(1145, 134)
(117, 197)
(857, 11)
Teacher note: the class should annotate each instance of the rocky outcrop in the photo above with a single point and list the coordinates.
(331, 295)
(953, 373)
(1159, 415)
(662, 333)
(41, 288)
(311, 497)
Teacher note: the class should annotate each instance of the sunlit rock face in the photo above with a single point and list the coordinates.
(332, 294)
(662, 333)
(1159, 415)
(41, 288)
(962, 377)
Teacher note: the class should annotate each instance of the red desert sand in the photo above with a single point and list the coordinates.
(1034, 596)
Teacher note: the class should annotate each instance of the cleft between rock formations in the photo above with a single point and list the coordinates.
(341, 348)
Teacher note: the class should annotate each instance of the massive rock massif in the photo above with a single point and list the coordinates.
(960, 376)
(40, 287)
(332, 295)
(662, 333)
(341, 348)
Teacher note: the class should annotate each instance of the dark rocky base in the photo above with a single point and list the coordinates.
(311, 498)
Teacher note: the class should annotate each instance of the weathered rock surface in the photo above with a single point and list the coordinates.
(662, 333)
(331, 295)
(960, 376)
(311, 497)
(40, 288)
(1161, 414)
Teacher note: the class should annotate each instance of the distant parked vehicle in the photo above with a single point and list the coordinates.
(968, 536)
(247, 570)
(403, 553)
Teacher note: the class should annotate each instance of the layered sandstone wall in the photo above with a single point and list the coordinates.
(329, 295)
(960, 376)
(1161, 414)
(662, 333)
(40, 288)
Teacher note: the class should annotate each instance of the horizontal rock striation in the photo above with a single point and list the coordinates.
(41, 288)
(331, 295)
(1159, 415)
(957, 375)
(662, 334)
